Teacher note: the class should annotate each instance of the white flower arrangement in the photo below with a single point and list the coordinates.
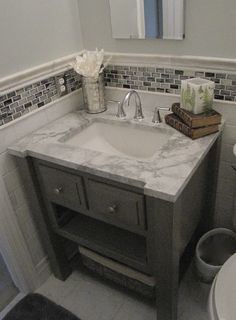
(91, 63)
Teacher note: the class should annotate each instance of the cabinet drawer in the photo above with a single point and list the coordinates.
(62, 187)
(116, 204)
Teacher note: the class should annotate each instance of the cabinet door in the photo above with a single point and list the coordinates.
(118, 204)
(62, 187)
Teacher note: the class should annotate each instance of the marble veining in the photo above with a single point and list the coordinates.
(163, 176)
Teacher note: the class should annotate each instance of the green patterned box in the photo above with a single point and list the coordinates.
(197, 95)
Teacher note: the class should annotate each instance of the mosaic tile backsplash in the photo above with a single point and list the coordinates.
(167, 80)
(154, 79)
(36, 95)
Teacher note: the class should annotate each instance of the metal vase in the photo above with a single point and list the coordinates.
(93, 90)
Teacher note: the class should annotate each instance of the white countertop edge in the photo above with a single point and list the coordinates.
(117, 178)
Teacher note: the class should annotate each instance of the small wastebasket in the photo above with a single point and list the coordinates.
(212, 251)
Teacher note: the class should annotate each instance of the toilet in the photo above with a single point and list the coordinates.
(222, 298)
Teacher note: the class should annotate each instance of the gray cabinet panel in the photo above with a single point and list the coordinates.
(62, 187)
(118, 204)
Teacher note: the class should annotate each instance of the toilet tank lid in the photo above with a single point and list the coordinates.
(234, 150)
(234, 207)
(225, 290)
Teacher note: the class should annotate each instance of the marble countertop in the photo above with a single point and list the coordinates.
(163, 176)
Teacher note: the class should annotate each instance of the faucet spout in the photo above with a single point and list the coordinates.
(138, 105)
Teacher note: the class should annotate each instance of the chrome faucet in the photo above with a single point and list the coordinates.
(138, 106)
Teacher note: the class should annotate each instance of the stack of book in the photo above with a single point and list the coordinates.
(193, 125)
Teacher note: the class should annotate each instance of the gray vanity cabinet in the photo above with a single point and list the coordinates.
(104, 216)
(120, 222)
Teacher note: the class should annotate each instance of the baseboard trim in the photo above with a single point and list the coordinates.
(43, 270)
(12, 304)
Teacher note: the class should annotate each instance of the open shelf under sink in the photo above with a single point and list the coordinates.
(111, 241)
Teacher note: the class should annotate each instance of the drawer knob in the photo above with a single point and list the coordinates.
(58, 190)
(112, 209)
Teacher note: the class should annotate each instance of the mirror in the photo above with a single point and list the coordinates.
(142, 19)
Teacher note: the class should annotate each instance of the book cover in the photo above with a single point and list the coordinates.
(209, 118)
(193, 133)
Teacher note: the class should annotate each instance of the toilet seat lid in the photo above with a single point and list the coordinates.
(225, 290)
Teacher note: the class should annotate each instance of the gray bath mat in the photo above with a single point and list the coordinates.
(37, 307)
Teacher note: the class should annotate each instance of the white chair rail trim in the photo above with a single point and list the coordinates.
(20, 79)
(184, 61)
(51, 68)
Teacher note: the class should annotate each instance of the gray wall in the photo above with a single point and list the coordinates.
(33, 32)
(210, 26)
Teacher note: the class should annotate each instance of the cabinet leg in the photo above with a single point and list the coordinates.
(163, 257)
(58, 260)
(52, 243)
(167, 293)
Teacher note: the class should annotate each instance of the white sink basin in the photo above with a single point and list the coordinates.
(121, 139)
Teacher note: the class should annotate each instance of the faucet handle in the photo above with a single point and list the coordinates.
(157, 116)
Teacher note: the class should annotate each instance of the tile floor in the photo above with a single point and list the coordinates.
(91, 298)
